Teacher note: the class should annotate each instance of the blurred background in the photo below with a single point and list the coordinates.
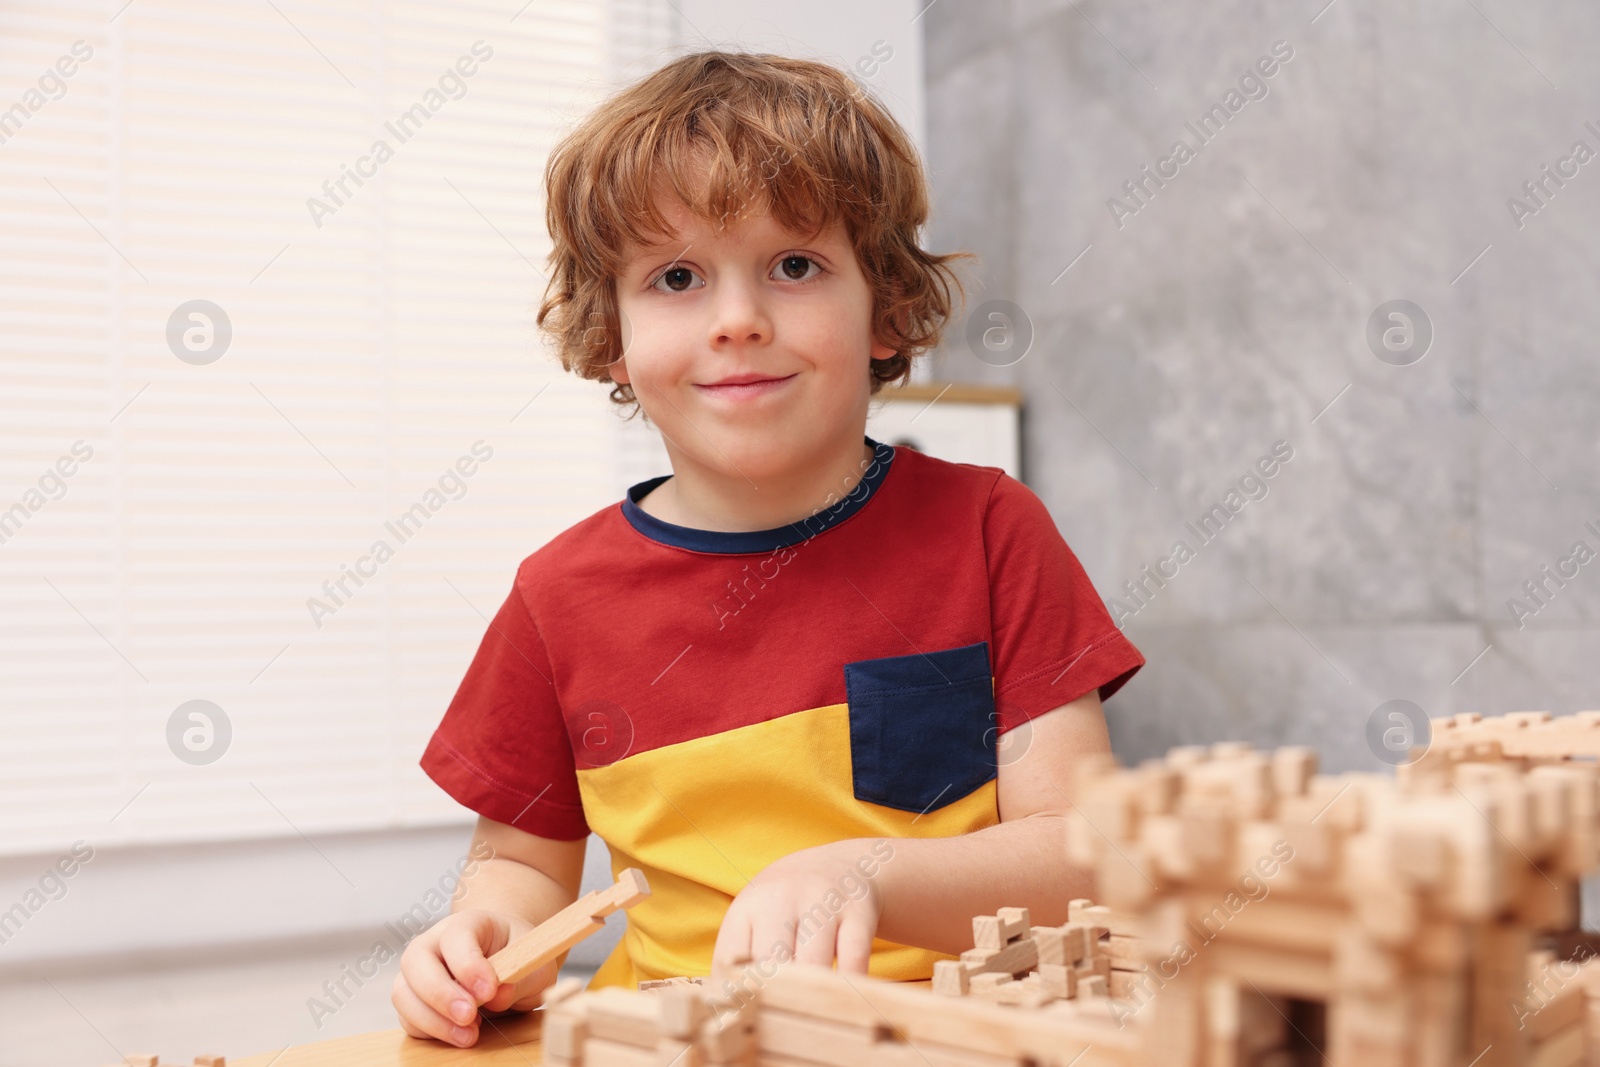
(1348, 243)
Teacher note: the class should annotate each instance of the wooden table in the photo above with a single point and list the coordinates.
(508, 1041)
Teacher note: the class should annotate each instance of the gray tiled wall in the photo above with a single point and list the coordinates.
(1230, 311)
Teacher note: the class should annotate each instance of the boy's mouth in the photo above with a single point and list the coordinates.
(743, 386)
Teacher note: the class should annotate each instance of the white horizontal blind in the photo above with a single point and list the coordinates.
(380, 328)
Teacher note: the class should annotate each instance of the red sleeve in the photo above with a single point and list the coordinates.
(1053, 637)
(503, 749)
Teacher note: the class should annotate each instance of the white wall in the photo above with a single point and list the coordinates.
(835, 31)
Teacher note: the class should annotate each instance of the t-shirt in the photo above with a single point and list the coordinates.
(709, 702)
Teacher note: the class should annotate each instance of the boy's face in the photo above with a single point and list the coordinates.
(748, 348)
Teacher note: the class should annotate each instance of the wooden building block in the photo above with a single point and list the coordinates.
(1561, 1013)
(564, 1035)
(965, 1023)
(210, 1061)
(567, 927)
(729, 1037)
(1014, 922)
(1082, 911)
(140, 1059)
(1158, 788)
(598, 1052)
(1093, 986)
(681, 1010)
(951, 978)
(1080, 939)
(1094, 965)
(1187, 756)
(1292, 770)
(1000, 929)
(1060, 944)
(988, 985)
(1208, 831)
(1058, 979)
(625, 1016)
(1028, 993)
(1569, 1049)
(986, 932)
(1128, 985)
(786, 1038)
(1016, 958)
(1123, 949)
(671, 1052)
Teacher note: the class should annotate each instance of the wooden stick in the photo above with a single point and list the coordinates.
(567, 927)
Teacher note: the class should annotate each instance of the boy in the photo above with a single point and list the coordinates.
(826, 693)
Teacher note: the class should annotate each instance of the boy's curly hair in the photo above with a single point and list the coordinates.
(735, 132)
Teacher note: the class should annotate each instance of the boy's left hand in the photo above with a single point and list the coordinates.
(813, 906)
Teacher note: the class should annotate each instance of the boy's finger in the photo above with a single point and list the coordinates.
(523, 995)
(425, 973)
(855, 944)
(817, 947)
(464, 959)
(418, 1016)
(733, 945)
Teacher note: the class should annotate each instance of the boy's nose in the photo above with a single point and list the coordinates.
(739, 318)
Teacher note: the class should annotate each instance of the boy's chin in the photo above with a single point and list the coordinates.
(759, 449)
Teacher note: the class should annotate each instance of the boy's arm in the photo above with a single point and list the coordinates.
(924, 891)
(932, 887)
(525, 876)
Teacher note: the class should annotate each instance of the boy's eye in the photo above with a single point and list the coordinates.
(796, 267)
(677, 279)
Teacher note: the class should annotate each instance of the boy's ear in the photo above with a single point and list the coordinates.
(619, 367)
(882, 351)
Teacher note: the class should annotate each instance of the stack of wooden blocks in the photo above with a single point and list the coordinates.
(1014, 963)
(681, 1023)
(1396, 912)
(811, 1016)
(1118, 943)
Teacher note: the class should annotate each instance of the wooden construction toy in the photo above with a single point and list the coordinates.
(1360, 919)
(1528, 738)
(1014, 962)
(567, 927)
(810, 1016)
(1251, 913)
(147, 1060)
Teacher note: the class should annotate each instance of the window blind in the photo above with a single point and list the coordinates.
(275, 423)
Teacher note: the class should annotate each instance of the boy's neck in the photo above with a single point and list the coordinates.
(702, 498)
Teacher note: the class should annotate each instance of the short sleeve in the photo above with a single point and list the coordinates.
(502, 748)
(1054, 640)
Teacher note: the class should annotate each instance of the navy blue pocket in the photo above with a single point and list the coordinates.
(921, 727)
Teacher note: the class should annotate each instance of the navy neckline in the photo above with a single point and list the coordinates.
(722, 541)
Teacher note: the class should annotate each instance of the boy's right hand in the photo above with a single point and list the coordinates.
(445, 975)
